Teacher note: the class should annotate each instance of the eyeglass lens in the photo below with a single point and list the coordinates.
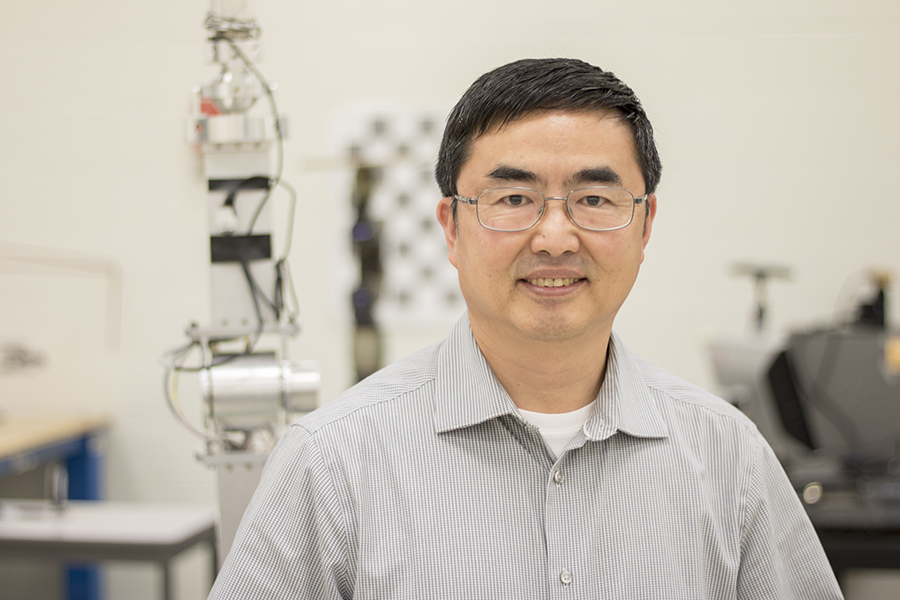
(514, 209)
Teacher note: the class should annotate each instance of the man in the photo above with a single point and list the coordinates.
(530, 455)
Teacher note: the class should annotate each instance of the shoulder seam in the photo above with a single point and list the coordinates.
(337, 419)
(739, 419)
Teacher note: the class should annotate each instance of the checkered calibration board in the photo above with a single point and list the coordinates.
(419, 285)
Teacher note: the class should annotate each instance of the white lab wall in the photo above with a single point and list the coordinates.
(777, 122)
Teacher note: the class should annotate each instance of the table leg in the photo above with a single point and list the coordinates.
(167, 581)
(84, 478)
(214, 559)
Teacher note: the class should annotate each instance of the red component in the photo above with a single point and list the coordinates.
(209, 107)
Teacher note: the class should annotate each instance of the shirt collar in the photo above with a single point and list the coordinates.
(467, 392)
(625, 402)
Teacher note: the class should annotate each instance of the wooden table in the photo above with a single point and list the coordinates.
(29, 441)
(74, 441)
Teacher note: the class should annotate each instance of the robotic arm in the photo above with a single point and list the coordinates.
(251, 390)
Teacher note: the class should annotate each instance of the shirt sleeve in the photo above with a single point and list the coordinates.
(781, 556)
(291, 542)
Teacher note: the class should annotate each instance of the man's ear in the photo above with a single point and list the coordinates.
(448, 224)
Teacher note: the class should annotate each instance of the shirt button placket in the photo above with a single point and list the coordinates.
(557, 548)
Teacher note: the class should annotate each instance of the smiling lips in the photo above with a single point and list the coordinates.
(551, 283)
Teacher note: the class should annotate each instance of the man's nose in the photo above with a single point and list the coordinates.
(555, 233)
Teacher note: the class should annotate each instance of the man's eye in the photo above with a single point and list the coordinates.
(593, 200)
(515, 200)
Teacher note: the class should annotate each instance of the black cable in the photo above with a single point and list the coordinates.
(289, 237)
(248, 348)
(257, 292)
(278, 292)
(254, 290)
(279, 134)
(281, 269)
(285, 279)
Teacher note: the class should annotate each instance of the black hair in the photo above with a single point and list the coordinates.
(518, 88)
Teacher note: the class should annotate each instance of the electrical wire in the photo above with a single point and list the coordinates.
(172, 367)
(173, 355)
(258, 293)
(281, 266)
(284, 275)
(279, 133)
(289, 235)
(170, 391)
(255, 291)
(276, 181)
(245, 266)
(174, 360)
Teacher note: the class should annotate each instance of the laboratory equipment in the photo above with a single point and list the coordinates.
(251, 390)
(827, 398)
(837, 391)
(739, 361)
(761, 275)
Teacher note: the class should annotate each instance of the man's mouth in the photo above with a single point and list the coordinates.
(548, 282)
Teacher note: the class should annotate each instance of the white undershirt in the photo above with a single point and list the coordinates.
(558, 429)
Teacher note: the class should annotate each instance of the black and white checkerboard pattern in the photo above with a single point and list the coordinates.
(419, 285)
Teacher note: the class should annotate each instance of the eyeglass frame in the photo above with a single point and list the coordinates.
(565, 199)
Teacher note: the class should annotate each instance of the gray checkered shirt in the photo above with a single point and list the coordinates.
(423, 482)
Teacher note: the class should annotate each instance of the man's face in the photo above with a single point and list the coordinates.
(504, 276)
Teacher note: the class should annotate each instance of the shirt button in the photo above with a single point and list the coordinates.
(565, 577)
(558, 477)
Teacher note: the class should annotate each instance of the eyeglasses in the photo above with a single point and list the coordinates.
(518, 209)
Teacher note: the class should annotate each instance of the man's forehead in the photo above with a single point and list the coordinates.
(528, 150)
(501, 122)
(565, 128)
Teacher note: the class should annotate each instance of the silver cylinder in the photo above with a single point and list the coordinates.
(256, 390)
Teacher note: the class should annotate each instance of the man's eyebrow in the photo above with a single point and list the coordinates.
(514, 174)
(597, 175)
(590, 176)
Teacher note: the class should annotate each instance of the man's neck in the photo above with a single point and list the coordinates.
(547, 376)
